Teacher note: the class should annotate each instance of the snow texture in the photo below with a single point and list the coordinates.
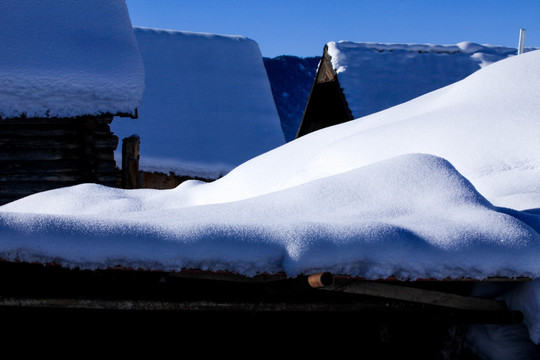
(412, 217)
(433, 188)
(67, 59)
(376, 76)
(207, 106)
(484, 125)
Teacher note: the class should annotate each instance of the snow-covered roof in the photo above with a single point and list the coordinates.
(413, 192)
(357, 198)
(207, 106)
(68, 58)
(376, 76)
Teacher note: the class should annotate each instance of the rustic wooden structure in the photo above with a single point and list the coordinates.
(134, 178)
(39, 154)
(130, 162)
(326, 104)
(424, 319)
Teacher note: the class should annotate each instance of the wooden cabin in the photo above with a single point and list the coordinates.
(357, 79)
(60, 92)
(39, 154)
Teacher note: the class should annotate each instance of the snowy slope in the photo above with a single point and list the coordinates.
(207, 106)
(486, 126)
(328, 191)
(68, 58)
(362, 222)
(377, 76)
(388, 194)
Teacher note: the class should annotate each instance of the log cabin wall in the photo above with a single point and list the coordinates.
(38, 154)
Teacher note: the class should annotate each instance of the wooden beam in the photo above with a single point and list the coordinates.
(130, 162)
(407, 293)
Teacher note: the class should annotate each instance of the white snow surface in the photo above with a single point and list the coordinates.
(376, 76)
(485, 125)
(401, 176)
(207, 107)
(433, 188)
(68, 58)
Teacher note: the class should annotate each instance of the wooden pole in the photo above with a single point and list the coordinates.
(521, 44)
(130, 162)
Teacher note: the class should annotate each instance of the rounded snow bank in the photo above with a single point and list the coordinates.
(485, 125)
(413, 216)
(68, 58)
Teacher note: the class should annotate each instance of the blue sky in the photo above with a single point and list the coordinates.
(302, 27)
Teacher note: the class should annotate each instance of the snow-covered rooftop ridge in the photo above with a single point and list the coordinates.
(462, 47)
(68, 58)
(377, 76)
(207, 106)
(174, 32)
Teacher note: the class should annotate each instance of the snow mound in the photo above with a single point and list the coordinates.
(485, 125)
(413, 217)
(67, 59)
(413, 192)
(207, 107)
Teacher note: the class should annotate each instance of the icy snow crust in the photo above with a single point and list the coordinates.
(376, 76)
(207, 107)
(67, 59)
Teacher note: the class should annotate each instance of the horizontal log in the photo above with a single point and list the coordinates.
(106, 143)
(107, 119)
(46, 133)
(17, 145)
(35, 178)
(408, 293)
(42, 155)
(37, 166)
(365, 311)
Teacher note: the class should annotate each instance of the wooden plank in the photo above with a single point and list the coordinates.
(130, 162)
(407, 293)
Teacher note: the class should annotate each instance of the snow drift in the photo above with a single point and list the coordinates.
(318, 192)
(413, 191)
(485, 125)
(412, 217)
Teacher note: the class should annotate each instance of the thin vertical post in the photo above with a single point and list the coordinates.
(521, 41)
(130, 162)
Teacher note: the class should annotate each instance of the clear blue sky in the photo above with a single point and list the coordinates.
(302, 27)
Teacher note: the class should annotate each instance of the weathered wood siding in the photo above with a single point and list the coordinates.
(38, 154)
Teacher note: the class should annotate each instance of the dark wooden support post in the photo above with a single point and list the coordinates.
(130, 162)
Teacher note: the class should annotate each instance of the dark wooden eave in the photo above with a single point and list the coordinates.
(47, 286)
(326, 104)
(213, 308)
